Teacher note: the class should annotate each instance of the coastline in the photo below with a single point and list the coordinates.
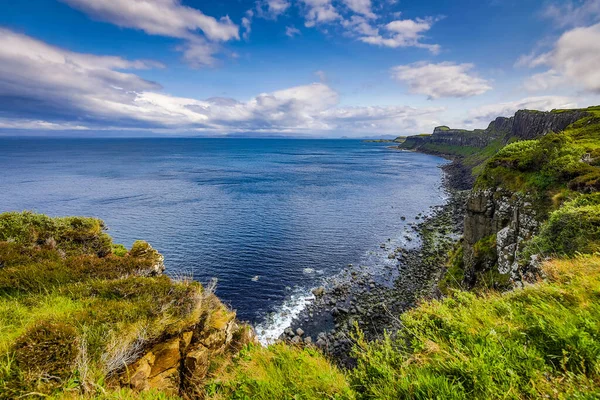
(360, 297)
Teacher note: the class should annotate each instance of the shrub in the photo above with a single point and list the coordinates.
(573, 228)
(47, 349)
(119, 250)
(75, 235)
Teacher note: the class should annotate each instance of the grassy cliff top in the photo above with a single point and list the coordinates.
(561, 161)
(75, 308)
(539, 342)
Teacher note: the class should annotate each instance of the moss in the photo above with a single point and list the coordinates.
(485, 250)
(119, 250)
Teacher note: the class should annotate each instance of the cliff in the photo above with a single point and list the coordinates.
(524, 125)
(552, 159)
(75, 306)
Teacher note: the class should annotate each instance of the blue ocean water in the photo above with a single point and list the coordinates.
(270, 219)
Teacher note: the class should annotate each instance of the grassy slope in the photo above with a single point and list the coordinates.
(72, 312)
(568, 160)
(543, 341)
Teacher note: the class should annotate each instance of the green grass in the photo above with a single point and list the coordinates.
(68, 302)
(279, 372)
(557, 161)
(573, 228)
(532, 343)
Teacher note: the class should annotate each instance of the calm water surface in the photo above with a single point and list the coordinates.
(270, 219)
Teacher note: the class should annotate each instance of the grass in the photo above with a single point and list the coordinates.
(543, 341)
(539, 342)
(67, 302)
(557, 161)
(573, 228)
(280, 372)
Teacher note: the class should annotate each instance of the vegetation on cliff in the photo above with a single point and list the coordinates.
(74, 313)
(567, 160)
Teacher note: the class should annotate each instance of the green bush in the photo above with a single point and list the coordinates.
(76, 235)
(119, 250)
(573, 228)
(47, 349)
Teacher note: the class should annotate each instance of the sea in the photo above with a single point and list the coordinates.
(266, 219)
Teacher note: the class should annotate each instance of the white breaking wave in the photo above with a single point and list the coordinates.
(269, 330)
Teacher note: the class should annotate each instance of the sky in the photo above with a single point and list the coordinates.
(298, 68)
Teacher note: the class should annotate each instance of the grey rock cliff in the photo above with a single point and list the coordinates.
(524, 125)
(509, 216)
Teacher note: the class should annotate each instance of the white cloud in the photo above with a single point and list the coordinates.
(247, 24)
(574, 60)
(320, 12)
(481, 116)
(441, 80)
(532, 60)
(292, 31)
(8, 123)
(46, 87)
(403, 33)
(573, 14)
(164, 18)
(362, 7)
(360, 26)
(272, 9)
(322, 75)
(199, 53)
(158, 17)
(550, 79)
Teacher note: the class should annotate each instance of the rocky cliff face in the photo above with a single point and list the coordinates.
(499, 222)
(524, 125)
(179, 364)
(533, 124)
(497, 225)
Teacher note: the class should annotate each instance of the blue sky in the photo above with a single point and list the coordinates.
(317, 68)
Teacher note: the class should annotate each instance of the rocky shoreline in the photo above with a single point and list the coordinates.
(373, 301)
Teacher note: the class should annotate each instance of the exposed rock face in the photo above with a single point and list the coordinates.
(510, 217)
(523, 125)
(533, 124)
(179, 364)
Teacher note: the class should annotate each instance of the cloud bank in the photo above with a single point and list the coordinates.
(47, 87)
(166, 18)
(441, 80)
(574, 60)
